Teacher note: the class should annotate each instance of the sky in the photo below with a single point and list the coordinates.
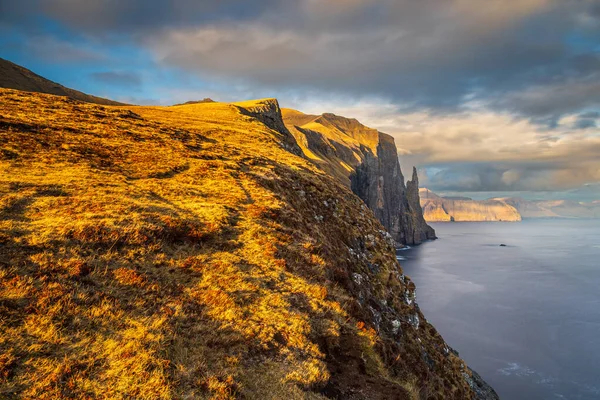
(487, 98)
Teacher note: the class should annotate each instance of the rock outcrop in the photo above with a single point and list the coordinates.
(421, 231)
(268, 112)
(366, 161)
(442, 209)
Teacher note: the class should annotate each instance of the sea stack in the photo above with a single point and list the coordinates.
(421, 231)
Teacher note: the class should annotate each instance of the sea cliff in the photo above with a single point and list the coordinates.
(366, 161)
(442, 209)
(501, 209)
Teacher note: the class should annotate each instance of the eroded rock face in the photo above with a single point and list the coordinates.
(482, 390)
(420, 230)
(380, 183)
(268, 112)
(367, 161)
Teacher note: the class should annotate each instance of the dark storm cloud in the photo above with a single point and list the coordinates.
(131, 16)
(431, 53)
(118, 78)
(556, 98)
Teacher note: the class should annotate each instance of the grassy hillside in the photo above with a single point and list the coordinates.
(13, 76)
(336, 144)
(183, 252)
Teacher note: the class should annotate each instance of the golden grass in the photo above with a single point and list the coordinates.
(336, 144)
(181, 252)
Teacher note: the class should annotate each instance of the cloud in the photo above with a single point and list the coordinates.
(118, 78)
(54, 50)
(132, 16)
(584, 123)
(511, 176)
(484, 151)
(433, 54)
(587, 120)
(479, 150)
(427, 54)
(558, 99)
(490, 177)
(414, 67)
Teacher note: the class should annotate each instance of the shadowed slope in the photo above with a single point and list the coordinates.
(13, 76)
(183, 252)
(323, 142)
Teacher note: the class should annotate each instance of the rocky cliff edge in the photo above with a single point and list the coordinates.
(366, 161)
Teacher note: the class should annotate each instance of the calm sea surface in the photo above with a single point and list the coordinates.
(525, 316)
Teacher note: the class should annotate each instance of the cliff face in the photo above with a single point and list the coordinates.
(440, 209)
(367, 161)
(444, 209)
(184, 252)
(268, 112)
(420, 228)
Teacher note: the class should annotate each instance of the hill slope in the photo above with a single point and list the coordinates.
(366, 161)
(185, 252)
(442, 209)
(13, 76)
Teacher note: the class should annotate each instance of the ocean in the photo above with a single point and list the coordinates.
(525, 316)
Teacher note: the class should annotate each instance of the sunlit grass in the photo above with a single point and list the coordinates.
(181, 252)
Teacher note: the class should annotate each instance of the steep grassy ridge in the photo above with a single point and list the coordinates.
(336, 144)
(13, 76)
(184, 252)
